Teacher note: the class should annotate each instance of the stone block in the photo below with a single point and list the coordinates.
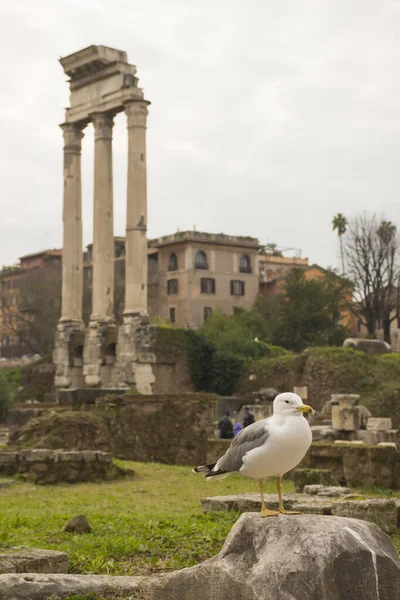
(34, 560)
(326, 490)
(40, 587)
(345, 417)
(387, 445)
(368, 437)
(379, 424)
(349, 442)
(302, 477)
(381, 512)
(9, 463)
(42, 455)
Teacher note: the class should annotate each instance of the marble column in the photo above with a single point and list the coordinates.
(136, 217)
(72, 259)
(103, 220)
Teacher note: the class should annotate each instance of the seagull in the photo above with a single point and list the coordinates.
(268, 448)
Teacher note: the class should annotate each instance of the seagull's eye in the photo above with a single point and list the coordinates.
(287, 401)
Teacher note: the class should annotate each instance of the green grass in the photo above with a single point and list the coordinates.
(149, 524)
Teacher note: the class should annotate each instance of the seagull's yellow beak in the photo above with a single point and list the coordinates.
(304, 408)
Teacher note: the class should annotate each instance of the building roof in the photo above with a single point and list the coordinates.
(51, 252)
(205, 238)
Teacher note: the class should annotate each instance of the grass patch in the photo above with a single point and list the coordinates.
(151, 523)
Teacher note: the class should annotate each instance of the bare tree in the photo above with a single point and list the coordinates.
(372, 255)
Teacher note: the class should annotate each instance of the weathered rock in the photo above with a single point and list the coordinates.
(291, 557)
(41, 587)
(251, 502)
(34, 560)
(78, 524)
(330, 491)
(374, 510)
(302, 477)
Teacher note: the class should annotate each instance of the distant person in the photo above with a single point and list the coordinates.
(225, 427)
(238, 427)
(248, 417)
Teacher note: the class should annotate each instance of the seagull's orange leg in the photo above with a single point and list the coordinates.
(281, 508)
(265, 512)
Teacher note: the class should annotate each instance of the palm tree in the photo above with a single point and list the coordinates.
(339, 222)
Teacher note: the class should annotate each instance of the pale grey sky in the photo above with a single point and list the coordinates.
(266, 119)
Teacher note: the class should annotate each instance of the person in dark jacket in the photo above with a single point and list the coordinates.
(225, 427)
(248, 417)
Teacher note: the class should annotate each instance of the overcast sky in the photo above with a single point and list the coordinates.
(267, 117)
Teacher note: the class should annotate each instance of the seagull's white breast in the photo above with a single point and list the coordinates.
(288, 441)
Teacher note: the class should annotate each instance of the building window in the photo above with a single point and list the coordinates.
(207, 312)
(173, 262)
(172, 286)
(237, 288)
(172, 315)
(207, 285)
(201, 260)
(245, 266)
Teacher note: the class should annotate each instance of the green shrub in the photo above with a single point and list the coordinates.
(384, 402)
(211, 370)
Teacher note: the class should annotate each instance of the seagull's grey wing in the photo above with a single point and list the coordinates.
(249, 438)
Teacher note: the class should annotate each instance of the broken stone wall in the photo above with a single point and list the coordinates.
(166, 429)
(357, 466)
(52, 466)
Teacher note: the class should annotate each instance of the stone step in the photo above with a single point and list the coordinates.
(383, 512)
(251, 502)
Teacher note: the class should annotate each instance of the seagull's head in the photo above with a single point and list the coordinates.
(290, 404)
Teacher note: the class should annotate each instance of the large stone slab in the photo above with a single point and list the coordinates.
(375, 510)
(34, 560)
(291, 557)
(251, 502)
(31, 586)
(379, 423)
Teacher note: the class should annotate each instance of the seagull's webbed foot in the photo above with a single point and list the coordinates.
(283, 511)
(266, 512)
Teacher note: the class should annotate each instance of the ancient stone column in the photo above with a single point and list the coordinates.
(136, 211)
(103, 220)
(72, 259)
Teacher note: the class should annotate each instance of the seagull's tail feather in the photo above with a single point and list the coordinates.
(210, 473)
(204, 469)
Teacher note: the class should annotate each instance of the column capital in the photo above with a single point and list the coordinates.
(103, 125)
(137, 113)
(73, 135)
